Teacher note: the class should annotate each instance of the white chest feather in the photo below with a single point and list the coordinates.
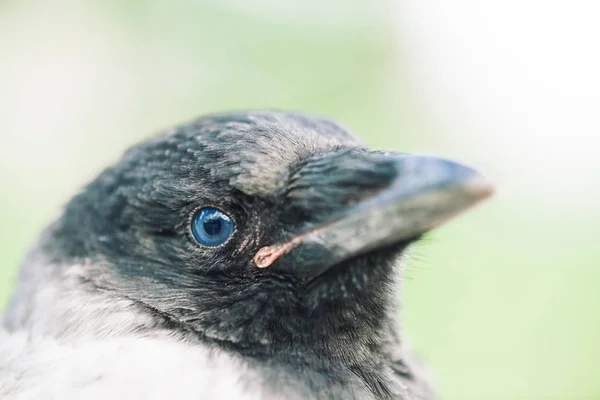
(125, 367)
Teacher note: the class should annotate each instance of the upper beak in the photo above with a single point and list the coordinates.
(418, 194)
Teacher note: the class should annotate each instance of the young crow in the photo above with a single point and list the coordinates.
(251, 255)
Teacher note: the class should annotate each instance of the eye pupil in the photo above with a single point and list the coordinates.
(211, 227)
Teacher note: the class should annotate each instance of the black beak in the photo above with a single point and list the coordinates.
(373, 200)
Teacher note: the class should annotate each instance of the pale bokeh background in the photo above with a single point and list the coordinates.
(503, 303)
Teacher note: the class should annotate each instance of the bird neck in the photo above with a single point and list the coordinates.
(350, 368)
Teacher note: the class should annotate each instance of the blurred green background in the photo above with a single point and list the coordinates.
(503, 303)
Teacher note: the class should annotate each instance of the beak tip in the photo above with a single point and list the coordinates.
(480, 187)
(438, 173)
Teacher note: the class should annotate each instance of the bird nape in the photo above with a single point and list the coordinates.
(252, 254)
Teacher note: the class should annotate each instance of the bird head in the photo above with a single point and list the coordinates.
(260, 230)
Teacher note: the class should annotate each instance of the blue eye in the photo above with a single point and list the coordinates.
(211, 227)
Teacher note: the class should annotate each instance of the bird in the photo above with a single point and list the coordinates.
(249, 254)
